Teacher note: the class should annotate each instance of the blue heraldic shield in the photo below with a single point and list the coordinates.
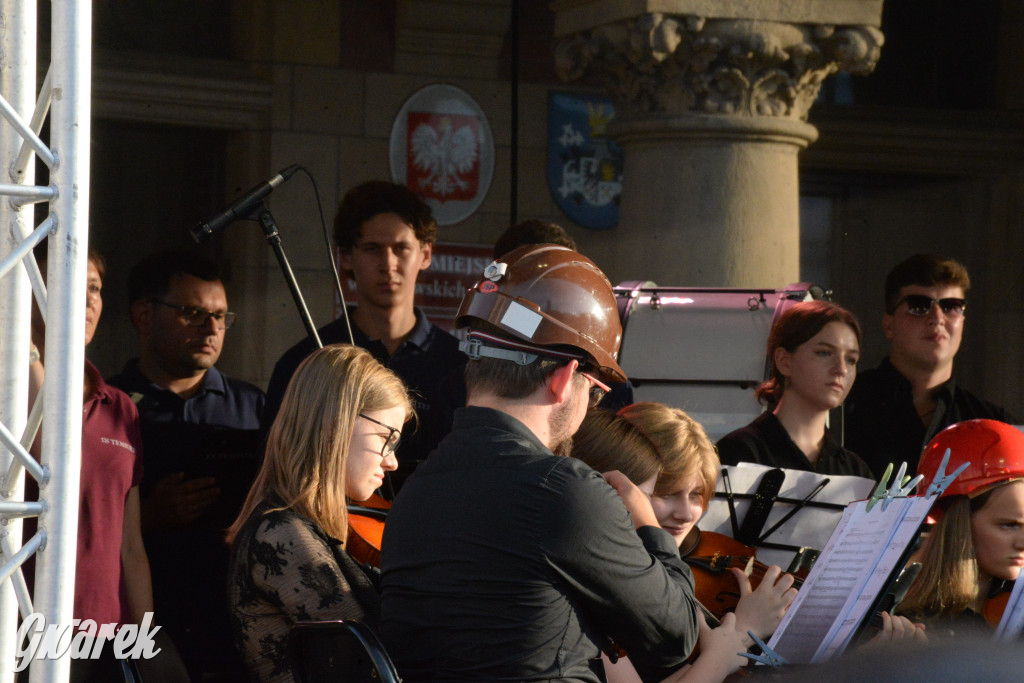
(584, 165)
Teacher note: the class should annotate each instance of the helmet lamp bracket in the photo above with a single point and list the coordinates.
(495, 271)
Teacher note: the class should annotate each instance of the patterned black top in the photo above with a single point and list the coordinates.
(285, 569)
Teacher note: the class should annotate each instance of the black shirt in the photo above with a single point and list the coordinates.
(428, 361)
(882, 425)
(765, 441)
(502, 561)
(214, 433)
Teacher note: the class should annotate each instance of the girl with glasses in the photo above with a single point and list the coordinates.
(333, 440)
(112, 576)
(813, 350)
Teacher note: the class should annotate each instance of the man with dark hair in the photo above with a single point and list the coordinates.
(532, 231)
(200, 447)
(503, 560)
(894, 410)
(386, 235)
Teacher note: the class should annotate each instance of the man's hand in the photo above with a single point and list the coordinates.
(761, 610)
(636, 501)
(175, 503)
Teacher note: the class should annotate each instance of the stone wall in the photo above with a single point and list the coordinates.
(318, 83)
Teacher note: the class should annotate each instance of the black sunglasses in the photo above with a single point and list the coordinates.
(920, 305)
(393, 439)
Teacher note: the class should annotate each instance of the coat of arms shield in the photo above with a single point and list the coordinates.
(441, 147)
(584, 165)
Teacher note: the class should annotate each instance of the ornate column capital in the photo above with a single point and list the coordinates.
(658, 64)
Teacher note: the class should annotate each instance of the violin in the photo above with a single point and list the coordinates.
(994, 608)
(366, 528)
(710, 556)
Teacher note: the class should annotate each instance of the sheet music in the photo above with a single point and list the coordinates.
(817, 602)
(1012, 622)
(854, 568)
(810, 527)
(904, 517)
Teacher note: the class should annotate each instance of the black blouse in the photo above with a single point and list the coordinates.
(766, 442)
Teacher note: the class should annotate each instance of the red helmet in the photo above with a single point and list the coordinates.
(547, 298)
(994, 449)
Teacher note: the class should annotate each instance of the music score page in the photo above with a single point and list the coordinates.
(855, 567)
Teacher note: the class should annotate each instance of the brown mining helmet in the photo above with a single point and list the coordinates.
(546, 300)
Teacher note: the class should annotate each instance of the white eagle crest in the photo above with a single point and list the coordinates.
(444, 154)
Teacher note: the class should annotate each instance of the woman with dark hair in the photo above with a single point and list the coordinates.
(813, 349)
(112, 577)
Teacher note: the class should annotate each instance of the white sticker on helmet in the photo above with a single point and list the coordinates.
(521, 319)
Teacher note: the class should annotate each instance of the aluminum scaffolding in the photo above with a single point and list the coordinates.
(65, 96)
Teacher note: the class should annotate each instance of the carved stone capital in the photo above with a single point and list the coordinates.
(668, 64)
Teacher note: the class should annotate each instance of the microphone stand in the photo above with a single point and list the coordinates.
(266, 221)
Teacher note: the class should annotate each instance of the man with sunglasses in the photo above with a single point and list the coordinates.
(502, 558)
(894, 410)
(200, 448)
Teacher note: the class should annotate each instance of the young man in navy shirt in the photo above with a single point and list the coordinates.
(386, 235)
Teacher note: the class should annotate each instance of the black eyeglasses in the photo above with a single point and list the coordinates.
(597, 388)
(394, 436)
(197, 317)
(920, 305)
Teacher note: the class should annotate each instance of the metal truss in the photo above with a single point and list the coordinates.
(65, 97)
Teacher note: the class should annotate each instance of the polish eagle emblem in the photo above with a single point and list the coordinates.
(444, 155)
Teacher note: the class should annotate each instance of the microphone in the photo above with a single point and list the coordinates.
(242, 207)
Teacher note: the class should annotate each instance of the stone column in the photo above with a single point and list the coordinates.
(711, 101)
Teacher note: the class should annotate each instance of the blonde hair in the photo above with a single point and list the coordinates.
(948, 582)
(685, 450)
(607, 442)
(308, 444)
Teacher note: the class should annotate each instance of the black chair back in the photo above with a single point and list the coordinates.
(349, 651)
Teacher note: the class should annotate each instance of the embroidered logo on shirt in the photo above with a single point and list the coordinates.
(117, 442)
